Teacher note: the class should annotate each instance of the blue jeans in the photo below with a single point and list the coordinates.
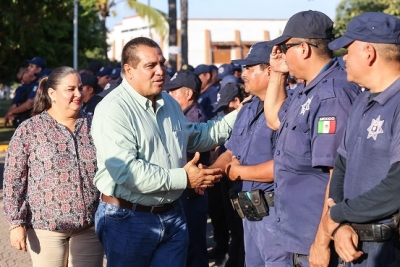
(133, 238)
(260, 246)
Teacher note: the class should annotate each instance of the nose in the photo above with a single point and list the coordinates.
(77, 93)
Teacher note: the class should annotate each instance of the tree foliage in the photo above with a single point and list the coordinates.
(156, 18)
(44, 28)
(348, 9)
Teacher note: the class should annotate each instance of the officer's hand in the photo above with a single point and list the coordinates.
(201, 177)
(18, 238)
(346, 242)
(319, 256)
(232, 169)
(277, 61)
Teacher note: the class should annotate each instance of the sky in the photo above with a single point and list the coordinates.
(228, 9)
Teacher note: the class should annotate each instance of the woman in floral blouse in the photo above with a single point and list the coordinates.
(49, 196)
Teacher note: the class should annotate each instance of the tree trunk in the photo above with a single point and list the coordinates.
(105, 46)
(172, 31)
(184, 31)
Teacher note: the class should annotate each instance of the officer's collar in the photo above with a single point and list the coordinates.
(328, 68)
(388, 93)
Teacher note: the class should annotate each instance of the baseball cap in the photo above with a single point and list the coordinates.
(226, 94)
(258, 53)
(236, 66)
(115, 73)
(202, 68)
(223, 70)
(183, 79)
(38, 61)
(229, 79)
(91, 80)
(187, 67)
(306, 24)
(43, 72)
(104, 71)
(213, 67)
(373, 27)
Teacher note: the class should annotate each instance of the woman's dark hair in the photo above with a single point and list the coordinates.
(42, 100)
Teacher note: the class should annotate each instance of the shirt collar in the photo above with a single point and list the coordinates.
(143, 101)
(328, 68)
(388, 93)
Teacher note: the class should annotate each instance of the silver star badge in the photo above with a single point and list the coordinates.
(306, 106)
(375, 128)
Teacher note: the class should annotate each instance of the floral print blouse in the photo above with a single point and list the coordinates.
(48, 175)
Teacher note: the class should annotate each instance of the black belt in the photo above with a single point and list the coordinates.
(269, 197)
(374, 232)
(137, 207)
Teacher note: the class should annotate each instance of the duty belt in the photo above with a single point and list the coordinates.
(374, 232)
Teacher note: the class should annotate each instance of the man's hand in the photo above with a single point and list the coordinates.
(277, 61)
(319, 256)
(201, 177)
(232, 169)
(346, 242)
(18, 238)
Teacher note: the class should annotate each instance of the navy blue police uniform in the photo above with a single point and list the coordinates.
(365, 182)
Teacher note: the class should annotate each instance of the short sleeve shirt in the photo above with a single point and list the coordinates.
(252, 142)
(312, 120)
(372, 140)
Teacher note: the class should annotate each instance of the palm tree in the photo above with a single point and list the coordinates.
(157, 19)
(184, 31)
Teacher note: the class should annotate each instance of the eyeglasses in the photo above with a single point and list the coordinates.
(285, 47)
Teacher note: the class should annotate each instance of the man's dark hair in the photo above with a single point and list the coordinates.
(129, 52)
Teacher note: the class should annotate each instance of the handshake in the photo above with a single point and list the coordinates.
(199, 177)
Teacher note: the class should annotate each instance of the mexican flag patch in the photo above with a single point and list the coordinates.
(326, 125)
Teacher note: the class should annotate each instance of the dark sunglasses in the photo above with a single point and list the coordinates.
(285, 47)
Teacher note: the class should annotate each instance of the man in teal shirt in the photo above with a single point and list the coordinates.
(141, 137)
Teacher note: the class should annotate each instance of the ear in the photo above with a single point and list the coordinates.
(128, 71)
(52, 94)
(370, 54)
(189, 94)
(306, 50)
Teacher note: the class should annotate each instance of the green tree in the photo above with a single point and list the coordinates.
(104, 8)
(348, 9)
(44, 28)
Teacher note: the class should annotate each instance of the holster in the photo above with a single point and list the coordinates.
(253, 205)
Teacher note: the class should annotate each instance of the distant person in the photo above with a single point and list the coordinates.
(90, 88)
(103, 76)
(49, 196)
(208, 94)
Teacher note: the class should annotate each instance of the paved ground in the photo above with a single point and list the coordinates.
(10, 257)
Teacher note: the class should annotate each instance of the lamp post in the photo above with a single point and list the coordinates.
(75, 22)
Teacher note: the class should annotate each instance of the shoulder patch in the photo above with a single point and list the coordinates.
(327, 125)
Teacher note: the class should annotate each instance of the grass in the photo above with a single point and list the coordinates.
(5, 132)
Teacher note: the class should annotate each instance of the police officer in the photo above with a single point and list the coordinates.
(365, 183)
(208, 94)
(185, 87)
(249, 159)
(310, 124)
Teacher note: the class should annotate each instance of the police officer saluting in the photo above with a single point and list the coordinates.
(311, 124)
(365, 182)
(252, 146)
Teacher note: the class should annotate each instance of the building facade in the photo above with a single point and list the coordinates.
(210, 41)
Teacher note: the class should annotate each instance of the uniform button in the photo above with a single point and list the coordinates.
(278, 152)
(238, 157)
(324, 81)
(278, 219)
(365, 114)
(286, 124)
(276, 185)
(285, 110)
(250, 132)
(299, 96)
